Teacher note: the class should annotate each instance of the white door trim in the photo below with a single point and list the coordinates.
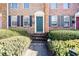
(75, 21)
(39, 13)
(76, 15)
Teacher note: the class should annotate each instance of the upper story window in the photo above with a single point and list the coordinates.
(14, 5)
(26, 5)
(54, 20)
(66, 21)
(26, 21)
(66, 5)
(53, 5)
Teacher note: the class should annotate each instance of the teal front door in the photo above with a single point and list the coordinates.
(39, 24)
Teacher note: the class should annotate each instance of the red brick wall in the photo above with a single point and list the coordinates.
(34, 7)
(3, 11)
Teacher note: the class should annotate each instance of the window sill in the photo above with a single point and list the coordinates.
(54, 26)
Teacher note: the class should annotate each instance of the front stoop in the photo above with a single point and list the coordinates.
(38, 45)
(39, 36)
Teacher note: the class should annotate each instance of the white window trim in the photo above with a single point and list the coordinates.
(25, 8)
(11, 21)
(28, 21)
(54, 20)
(14, 8)
(68, 20)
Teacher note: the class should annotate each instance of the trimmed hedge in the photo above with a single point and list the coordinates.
(21, 31)
(61, 48)
(63, 34)
(14, 46)
(7, 33)
(12, 32)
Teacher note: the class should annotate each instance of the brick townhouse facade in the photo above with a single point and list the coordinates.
(41, 17)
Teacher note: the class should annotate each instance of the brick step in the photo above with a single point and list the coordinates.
(39, 40)
(39, 36)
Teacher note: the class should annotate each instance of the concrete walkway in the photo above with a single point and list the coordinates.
(37, 49)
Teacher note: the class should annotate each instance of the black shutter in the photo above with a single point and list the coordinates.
(18, 20)
(70, 21)
(30, 20)
(22, 20)
(9, 21)
(62, 21)
(58, 19)
(49, 21)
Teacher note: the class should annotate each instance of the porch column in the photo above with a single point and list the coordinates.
(46, 10)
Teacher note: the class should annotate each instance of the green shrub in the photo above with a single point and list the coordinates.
(7, 33)
(63, 34)
(14, 46)
(61, 47)
(21, 31)
(12, 32)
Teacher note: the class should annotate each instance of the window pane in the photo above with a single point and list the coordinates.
(53, 5)
(25, 21)
(66, 18)
(14, 5)
(66, 5)
(26, 5)
(14, 21)
(54, 20)
(66, 21)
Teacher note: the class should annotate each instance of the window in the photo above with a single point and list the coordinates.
(53, 5)
(54, 20)
(66, 5)
(14, 5)
(13, 21)
(26, 5)
(26, 21)
(66, 21)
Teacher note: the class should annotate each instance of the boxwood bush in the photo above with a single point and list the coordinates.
(21, 31)
(14, 46)
(4, 33)
(61, 48)
(7, 33)
(63, 34)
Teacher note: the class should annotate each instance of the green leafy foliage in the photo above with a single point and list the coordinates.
(21, 31)
(61, 47)
(12, 32)
(63, 34)
(14, 46)
(13, 42)
(63, 40)
(7, 33)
